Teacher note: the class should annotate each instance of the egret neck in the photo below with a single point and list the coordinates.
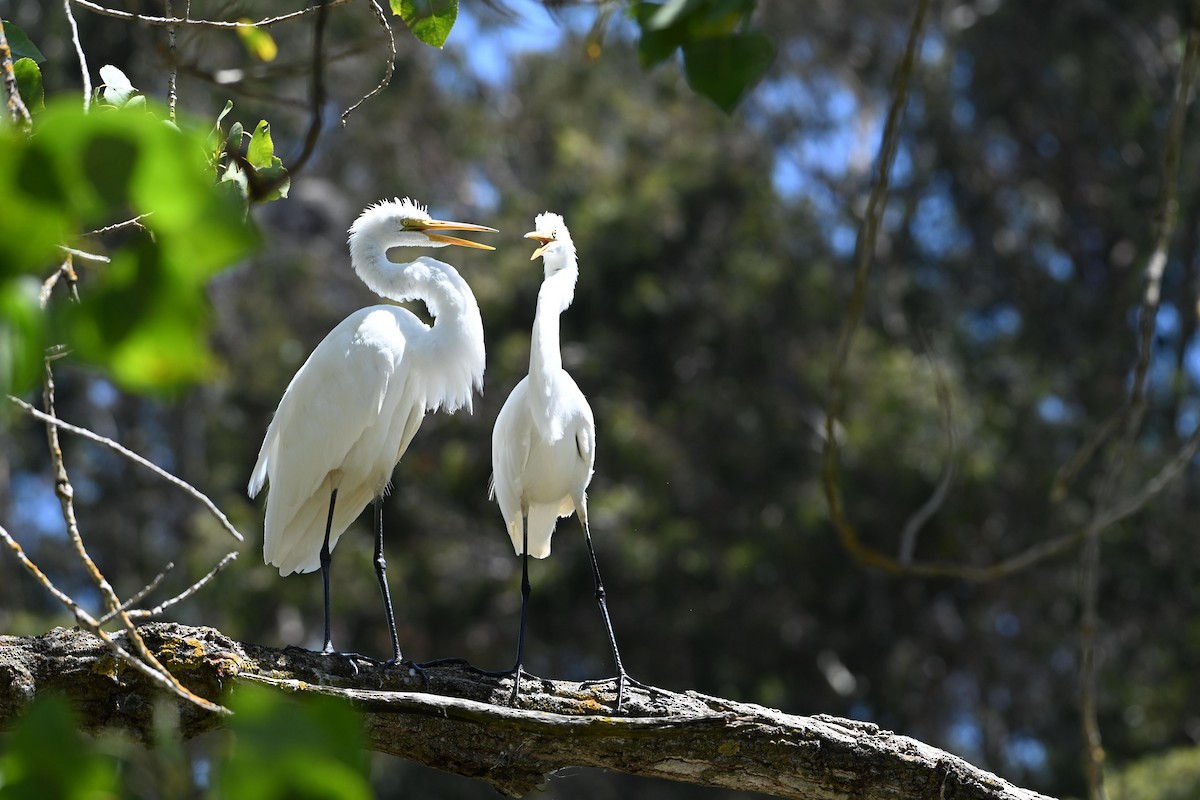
(545, 357)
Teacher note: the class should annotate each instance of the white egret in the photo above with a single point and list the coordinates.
(544, 442)
(351, 411)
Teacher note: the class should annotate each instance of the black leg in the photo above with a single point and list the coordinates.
(328, 648)
(381, 573)
(601, 600)
(525, 591)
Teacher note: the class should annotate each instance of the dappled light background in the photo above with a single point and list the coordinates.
(715, 263)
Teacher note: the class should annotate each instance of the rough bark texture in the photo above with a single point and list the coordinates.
(457, 720)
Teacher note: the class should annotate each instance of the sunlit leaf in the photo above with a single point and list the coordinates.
(29, 83)
(144, 316)
(724, 68)
(20, 44)
(429, 20)
(261, 150)
(257, 41)
(117, 90)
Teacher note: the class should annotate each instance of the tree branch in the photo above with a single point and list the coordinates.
(458, 721)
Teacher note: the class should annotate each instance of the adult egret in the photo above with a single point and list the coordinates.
(351, 411)
(544, 442)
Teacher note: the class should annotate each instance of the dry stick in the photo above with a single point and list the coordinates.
(204, 23)
(132, 456)
(87, 621)
(66, 498)
(16, 106)
(172, 97)
(116, 226)
(146, 613)
(388, 70)
(1120, 455)
(138, 595)
(83, 67)
(908, 537)
(863, 257)
(318, 91)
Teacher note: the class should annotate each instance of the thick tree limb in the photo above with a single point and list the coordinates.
(457, 721)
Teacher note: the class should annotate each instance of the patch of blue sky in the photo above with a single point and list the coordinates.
(935, 225)
(1053, 410)
(1025, 752)
(495, 41)
(1054, 262)
(36, 509)
(1188, 418)
(1000, 321)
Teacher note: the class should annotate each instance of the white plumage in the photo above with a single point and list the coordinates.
(352, 409)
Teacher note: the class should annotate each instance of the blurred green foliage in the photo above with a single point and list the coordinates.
(274, 747)
(1174, 775)
(44, 755)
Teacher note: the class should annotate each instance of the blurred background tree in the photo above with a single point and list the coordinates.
(716, 257)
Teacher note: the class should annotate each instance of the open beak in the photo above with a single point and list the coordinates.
(429, 228)
(544, 241)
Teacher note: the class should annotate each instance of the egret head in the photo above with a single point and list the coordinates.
(406, 223)
(554, 242)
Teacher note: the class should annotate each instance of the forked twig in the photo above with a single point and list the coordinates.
(132, 456)
(389, 68)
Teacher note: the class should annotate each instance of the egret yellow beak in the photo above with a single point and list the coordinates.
(543, 240)
(428, 227)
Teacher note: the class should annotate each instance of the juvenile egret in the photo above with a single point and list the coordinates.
(351, 411)
(544, 442)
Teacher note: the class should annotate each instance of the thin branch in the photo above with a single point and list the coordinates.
(389, 68)
(66, 271)
(132, 456)
(89, 623)
(202, 23)
(908, 537)
(864, 255)
(172, 74)
(83, 67)
(135, 222)
(147, 613)
(317, 100)
(138, 595)
(85, 255)
(16, 106)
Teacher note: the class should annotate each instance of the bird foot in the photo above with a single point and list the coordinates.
(350, 657)
(412, 667)
(623, 680)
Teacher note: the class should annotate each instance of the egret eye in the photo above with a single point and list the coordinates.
(554, 235)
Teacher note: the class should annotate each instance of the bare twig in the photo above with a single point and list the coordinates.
(66, 271)
(186, 593)
(87, 621)
(83, 67)
(317, 100)
(203, 23)
(908, 537)
(138, 595)
(16, 106)
(85, 255)
(172, 73)
(1120, 455)
(389, 68)
(66, 495)
(132, 456)
(135, 222)
(864, 255)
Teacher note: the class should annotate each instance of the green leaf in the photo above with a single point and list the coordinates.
(20, 44)
(429, 20)
(724, 68)
(670, 12)
(144, 316)
(29, 83)
(261, 151)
